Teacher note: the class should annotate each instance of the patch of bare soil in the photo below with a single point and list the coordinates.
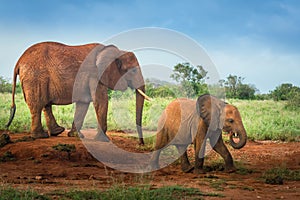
(35, 164)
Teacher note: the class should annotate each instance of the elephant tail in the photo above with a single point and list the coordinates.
(13, 105)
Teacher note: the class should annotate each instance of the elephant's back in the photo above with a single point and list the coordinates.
(47, 57)
(44, 51)
(182, 106)
(52, 67)
(50, 44)
(176, 113)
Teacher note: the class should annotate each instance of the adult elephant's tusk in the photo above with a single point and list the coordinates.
(144, 95)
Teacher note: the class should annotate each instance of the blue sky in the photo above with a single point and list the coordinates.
(258, 40)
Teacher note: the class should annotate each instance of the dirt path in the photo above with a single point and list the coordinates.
(35, 164)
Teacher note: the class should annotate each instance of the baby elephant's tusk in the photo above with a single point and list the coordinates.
(144, 95)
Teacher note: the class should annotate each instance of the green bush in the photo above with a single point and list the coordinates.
(285, 91)
(276, 176)
(294, 100)
(5, 86)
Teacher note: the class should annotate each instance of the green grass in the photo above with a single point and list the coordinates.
(282, 173)
(269, 120)
(121, 114)
(69, 148)
(116, 192)
(7, 156)
(7, 193)
(218, 184)
(263, 120)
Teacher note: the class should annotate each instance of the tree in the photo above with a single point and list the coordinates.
(5, 86)
(287, 92)
(246, 91)
(284, 91)
(231, 85)
(294, 99)
(235, 88)
(191, 78)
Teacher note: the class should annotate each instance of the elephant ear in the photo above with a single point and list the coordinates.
(109, 65)
(211, 110)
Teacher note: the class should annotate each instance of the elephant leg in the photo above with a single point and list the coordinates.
(185, 163)
(80, 113)
(100, 101)
(73, 132)
(36, 124)
(159, 144)
(154, 161)
(54, 128)
(221, 149)
(199, 146)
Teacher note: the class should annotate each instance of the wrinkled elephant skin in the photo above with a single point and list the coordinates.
(50, 72)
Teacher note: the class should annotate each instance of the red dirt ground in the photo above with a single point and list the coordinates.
(38, 166)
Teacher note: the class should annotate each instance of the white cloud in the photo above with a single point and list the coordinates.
(260, 65)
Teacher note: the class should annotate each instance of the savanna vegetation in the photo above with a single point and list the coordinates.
(263, 120)
(272, 116)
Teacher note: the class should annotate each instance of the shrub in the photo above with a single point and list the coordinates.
(294, 100)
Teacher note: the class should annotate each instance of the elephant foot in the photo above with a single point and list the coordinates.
(73, 133)
(56, 131)
(38, 135)
(154, 165)
(4, 139)
(141, 142)
(187, 168)
(230, 169)
(199, 171)
(102, 137)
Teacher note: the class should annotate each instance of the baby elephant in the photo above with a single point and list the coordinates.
(187, 121)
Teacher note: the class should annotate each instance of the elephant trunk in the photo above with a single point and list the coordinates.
(242, 135)
(139, 113)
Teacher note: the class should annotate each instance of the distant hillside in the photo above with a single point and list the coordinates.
(157, 82)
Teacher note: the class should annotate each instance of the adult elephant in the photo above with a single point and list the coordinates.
(185, 121)
(50, 72)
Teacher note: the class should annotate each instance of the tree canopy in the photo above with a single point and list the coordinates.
(191, 78)
(287, 92)
(284, 91)
(235, 88)
(5, 86)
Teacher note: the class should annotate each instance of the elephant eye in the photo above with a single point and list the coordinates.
(134, 70)
(119, 63)
(230, 120)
